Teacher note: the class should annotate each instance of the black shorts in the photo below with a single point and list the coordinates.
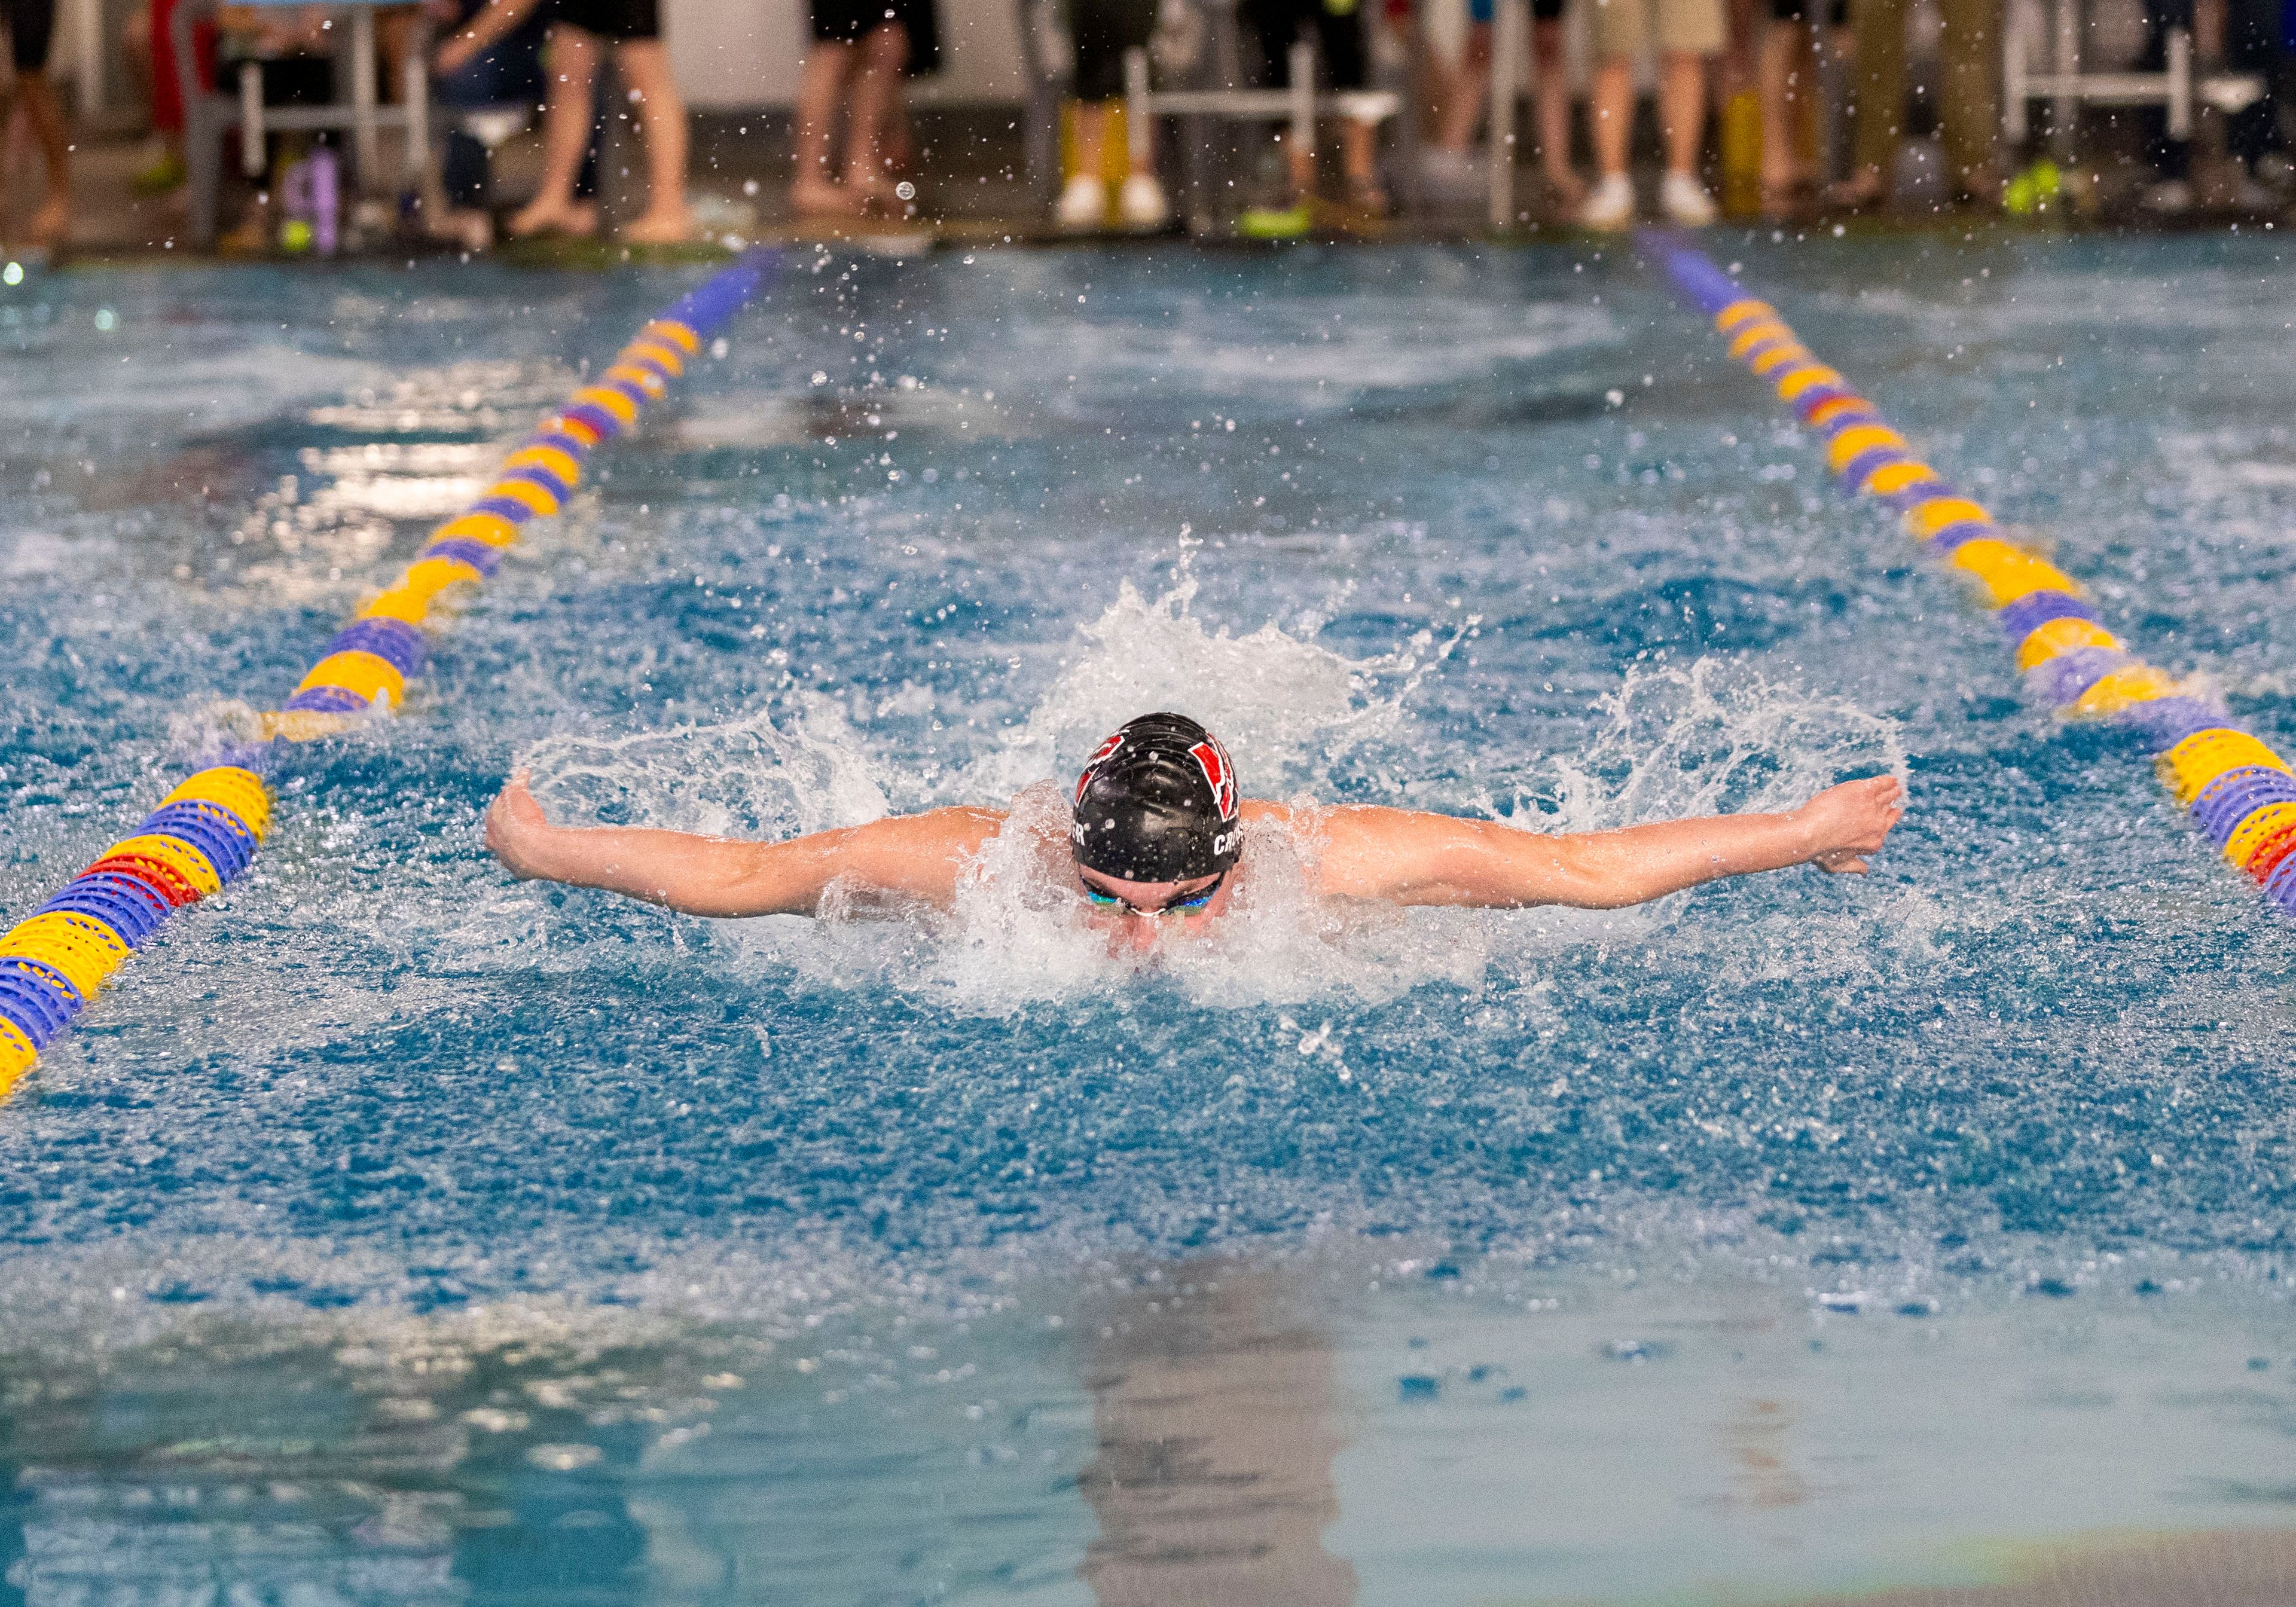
(295, 80)
(1833, 13)
(849, 21)
(620, 21)
(31, 25)
(1104, 31)
(1483, 11)
(1335, 27)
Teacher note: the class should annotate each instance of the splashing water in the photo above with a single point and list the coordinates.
(1713, 738)
(1295, 708)
(1706, 739)
(742, 778)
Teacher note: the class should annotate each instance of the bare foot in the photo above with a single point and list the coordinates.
(51, 225)
(548, 215)
(468, 227)
(1858, 192)
(818, 198)
(1791, 200)
(659, 227)
(1567, 189)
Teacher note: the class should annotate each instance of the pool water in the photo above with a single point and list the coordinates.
(396, 1232)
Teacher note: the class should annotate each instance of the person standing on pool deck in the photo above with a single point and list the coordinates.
(1686, 33)
(577, 28)
(31, 27)
(1159, 829)
(861, 51)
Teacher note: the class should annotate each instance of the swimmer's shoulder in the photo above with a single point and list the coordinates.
(1267, 812)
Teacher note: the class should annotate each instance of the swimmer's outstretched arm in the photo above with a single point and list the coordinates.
(908, 856)
(1405, 857)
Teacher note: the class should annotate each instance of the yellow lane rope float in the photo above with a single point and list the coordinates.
(207, 829)
(2237, 790)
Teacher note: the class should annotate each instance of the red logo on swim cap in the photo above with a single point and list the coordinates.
(1213, 759)
(1100, 756)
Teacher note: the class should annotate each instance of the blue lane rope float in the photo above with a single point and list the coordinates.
(206, 830)
(2237, 790)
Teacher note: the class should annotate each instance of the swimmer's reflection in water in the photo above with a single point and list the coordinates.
(1159, 845)
(1213, 1419)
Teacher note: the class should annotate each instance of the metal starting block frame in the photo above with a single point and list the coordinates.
(2067, 87)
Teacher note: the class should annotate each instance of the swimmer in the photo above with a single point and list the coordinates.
(1158, 841)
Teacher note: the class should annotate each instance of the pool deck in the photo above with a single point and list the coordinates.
(740, 192)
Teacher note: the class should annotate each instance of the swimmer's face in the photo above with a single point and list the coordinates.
(1133, 913)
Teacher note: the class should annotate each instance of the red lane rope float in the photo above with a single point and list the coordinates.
(2237, 790)
(207, 829)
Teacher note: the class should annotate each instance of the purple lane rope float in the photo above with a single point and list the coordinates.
(2236, 789)
(208, 828)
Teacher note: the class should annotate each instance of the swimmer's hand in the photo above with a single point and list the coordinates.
(517, 828)
(1851, 820)
(910, 857)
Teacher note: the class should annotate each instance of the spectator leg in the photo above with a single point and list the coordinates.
(1970, 110)
(1877, 75)
(1553, 112)
(1614, 115)
(876, 109)
(1781, 92)
(2252, 45)
(203, 176)
(1465, 90)
(488, 79)
(159, 62)
(51, 225)
(820, 86)
(1089, 125)
(464, 170)
(1682, 111)
(1360, 161)
(571, 71)
(644, 66)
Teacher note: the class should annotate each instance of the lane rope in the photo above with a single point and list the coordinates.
(207, 829)
(2236, 789)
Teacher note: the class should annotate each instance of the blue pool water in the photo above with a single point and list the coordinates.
(396, 1232)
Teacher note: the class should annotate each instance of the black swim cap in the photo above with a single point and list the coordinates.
(1157, 802)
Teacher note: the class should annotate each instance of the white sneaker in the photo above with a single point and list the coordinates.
(1612, 205)
(1141, 203)
(1685, 201)
(1083, 205)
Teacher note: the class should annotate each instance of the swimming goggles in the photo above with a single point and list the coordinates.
(1186, 903)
